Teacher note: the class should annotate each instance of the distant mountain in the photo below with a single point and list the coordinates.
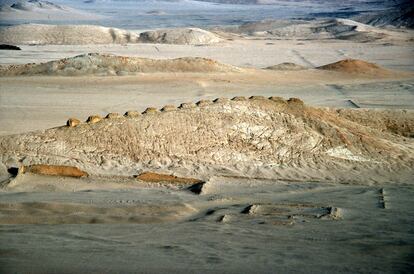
(29, 5)
(245, 2)
(315, 29)
(320, 2)
(399, 15)
(239, 2)
(36, 4)
(40, 10)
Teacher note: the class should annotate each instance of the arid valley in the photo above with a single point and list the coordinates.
(277, 145)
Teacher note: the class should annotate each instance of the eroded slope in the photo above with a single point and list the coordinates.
(107, 64)
(258, 138)
(40, 34)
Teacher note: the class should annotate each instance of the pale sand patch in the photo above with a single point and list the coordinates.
(73, 213)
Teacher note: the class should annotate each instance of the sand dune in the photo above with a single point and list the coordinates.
(106, 64)
(265, 138)
(180, 36)
(65, 35)
(354, 66)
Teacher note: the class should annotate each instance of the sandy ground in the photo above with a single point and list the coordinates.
(236, 225)
(24, 97)
(24, 101)
(239, 52)
(371, 233)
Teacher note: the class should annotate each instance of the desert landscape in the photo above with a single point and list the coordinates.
(206, 136)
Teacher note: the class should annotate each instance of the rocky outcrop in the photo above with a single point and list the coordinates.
(9, 47)
(65, 35)
(180, 36)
